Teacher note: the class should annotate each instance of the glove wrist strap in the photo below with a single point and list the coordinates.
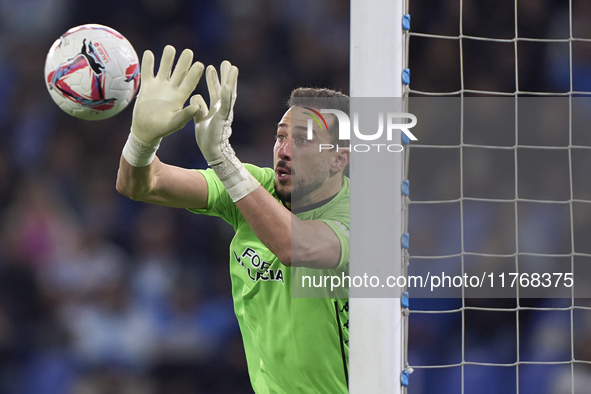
(236, 179)
(138, 153)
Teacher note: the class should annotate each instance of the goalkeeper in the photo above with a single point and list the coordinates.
(292, 345)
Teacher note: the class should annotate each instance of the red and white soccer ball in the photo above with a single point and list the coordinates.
(92, 72)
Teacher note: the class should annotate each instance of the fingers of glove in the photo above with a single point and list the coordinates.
(226, 102)
(182, 67)
(232, 78)
(213, 85)
(202, 108)
(166, 62)
(189, 83)
(228, 92)
(224, 69)
(147, 69)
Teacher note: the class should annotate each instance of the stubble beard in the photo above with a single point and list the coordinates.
(303, 186)
(283, 195)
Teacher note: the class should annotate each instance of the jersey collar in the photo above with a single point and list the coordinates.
(312, 206)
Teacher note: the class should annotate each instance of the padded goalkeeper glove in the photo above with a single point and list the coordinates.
(214, 127)
(158, 109)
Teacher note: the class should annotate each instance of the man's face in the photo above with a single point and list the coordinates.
(300, 168)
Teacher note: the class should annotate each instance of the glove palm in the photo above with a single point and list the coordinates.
(158, 110)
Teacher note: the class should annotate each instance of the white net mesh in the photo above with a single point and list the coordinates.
(491, 192)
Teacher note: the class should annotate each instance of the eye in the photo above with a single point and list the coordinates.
(279, 137)
(302, 141)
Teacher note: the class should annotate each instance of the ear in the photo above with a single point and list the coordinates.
(340, 160)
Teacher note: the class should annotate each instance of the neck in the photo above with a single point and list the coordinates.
(331, 187)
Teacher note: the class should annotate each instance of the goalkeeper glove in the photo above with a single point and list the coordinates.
(158, 109)
(213, 129)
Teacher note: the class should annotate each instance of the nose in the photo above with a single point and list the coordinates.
(284, 151)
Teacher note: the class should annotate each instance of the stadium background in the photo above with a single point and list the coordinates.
(99, 294)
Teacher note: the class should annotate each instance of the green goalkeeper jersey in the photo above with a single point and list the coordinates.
(292, 345)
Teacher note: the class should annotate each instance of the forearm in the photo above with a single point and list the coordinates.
(136, 182)
(270, 221)
(162, 184)
(295, 242)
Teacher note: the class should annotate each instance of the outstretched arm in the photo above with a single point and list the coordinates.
(158, 112)
(312, 244)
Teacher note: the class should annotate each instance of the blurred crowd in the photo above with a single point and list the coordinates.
(100, 294)
(548, 169)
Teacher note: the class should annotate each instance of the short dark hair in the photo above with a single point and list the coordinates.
(322, 98)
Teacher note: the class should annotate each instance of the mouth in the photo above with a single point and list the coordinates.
(282, 173)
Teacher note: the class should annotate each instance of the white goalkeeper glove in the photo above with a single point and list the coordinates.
(158, 109)
(213, 129)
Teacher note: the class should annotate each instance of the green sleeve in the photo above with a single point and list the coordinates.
(335, 214)
(219, 202)
(341, 230)
(339, 225)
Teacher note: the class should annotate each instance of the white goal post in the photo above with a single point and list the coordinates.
(377, 62)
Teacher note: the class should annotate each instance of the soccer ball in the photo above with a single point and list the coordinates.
(92, 72)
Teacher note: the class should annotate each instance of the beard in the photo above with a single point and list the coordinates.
(302, 186)
(283, 195)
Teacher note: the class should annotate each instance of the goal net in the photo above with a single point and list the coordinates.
(499, 191)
